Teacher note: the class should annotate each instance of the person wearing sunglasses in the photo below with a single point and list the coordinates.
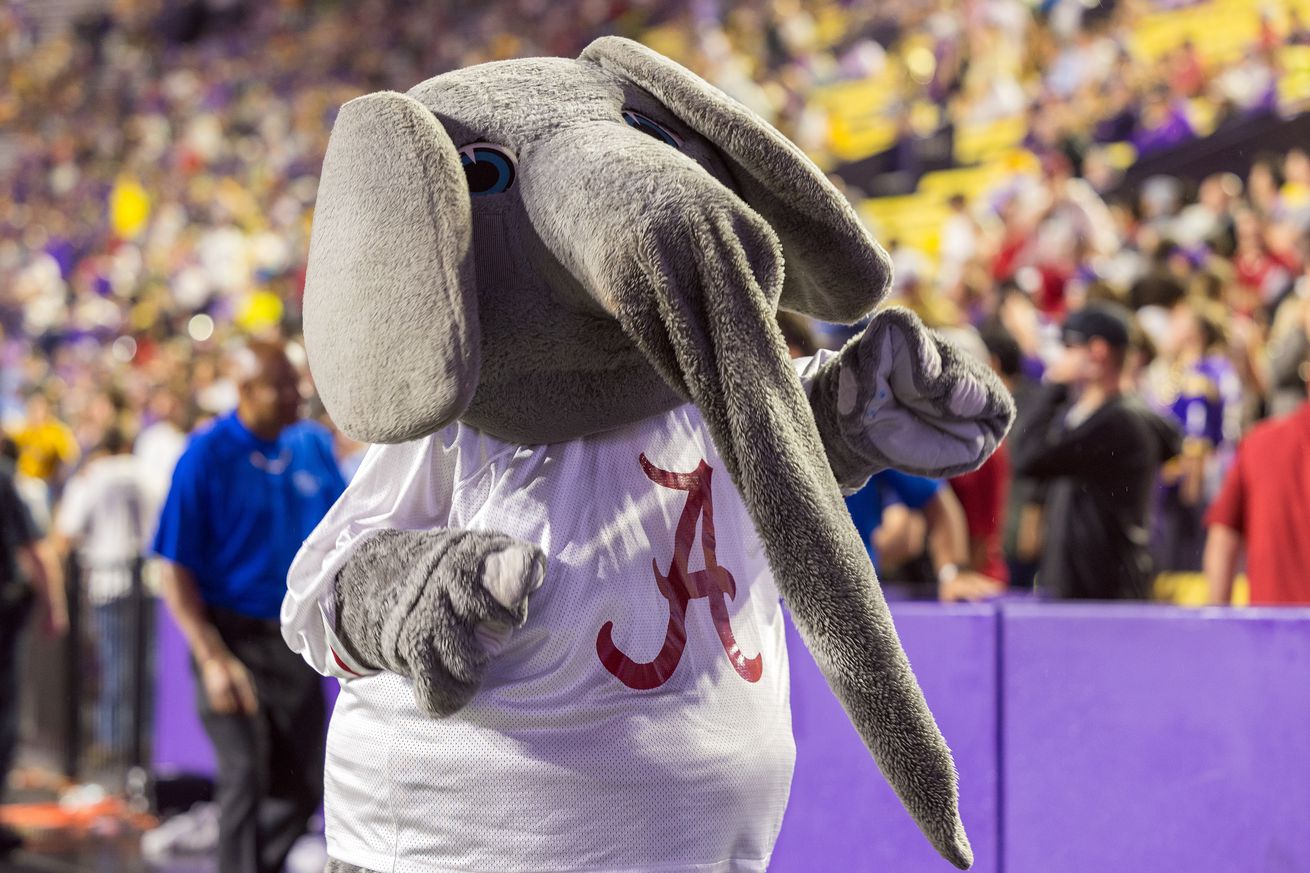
(1099, 453)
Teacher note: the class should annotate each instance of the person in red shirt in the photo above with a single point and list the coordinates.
(983, 494)
(1264, 506)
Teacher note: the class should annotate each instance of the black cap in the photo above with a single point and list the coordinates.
(1108, 321)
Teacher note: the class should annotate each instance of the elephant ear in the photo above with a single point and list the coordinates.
(835, 271)
(390, 311)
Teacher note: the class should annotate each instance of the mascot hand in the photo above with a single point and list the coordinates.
(436, 606)
(901, 396)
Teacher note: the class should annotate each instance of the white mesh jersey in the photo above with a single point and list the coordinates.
(639, 721)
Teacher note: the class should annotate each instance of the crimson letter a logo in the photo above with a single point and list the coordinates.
(679, 587)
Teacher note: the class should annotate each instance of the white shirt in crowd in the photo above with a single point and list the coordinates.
(573, 756)
(157, 449)
(108, 510)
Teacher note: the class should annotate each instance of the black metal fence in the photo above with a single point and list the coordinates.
(109, 675)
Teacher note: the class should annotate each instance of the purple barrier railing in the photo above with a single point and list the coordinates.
(1145, 739)
(842, 815)
(180, 744)
(1094, 738)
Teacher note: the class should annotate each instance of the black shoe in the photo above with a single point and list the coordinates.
(9, 840)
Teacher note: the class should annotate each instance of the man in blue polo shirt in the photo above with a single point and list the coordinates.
(245, 494)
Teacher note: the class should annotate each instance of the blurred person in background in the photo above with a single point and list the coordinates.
(24, 585)
(1263, 511)
(1021, 515)
(47, 448)
(984, 493)
(106, 514)
(959, 242)
(1192, 382)
(1288, 349)
(1098, 453)
(915, 531)
(245, 494)
(161, 443)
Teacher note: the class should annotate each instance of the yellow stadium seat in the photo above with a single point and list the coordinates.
(1191, 589)
(851, 144)
(856, 97)
(945, 183)
(893, 208)
(1294, 58)
(1121, 155)
(977, 142)
(1201, 114)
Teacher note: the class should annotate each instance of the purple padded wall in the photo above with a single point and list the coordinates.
(1147, 739)
(180, 742)
(842, 815)
(1129, 739)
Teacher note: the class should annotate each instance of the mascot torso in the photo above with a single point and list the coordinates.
(646, 699)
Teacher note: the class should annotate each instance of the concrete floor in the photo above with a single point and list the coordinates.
(123, 855)
(99, 856)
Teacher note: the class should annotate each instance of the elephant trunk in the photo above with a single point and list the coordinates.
(695, 283)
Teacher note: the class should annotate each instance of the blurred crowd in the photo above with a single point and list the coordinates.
(159, 163)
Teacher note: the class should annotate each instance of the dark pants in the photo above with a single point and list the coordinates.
(270, 765)
(115, 623)
(14, 611)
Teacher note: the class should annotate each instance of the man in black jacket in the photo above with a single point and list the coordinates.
(23, 586)
(1099, 453)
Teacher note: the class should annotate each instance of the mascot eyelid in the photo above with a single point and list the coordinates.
(489, 168)
(652, 128)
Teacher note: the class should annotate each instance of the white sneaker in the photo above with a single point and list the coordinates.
(193, 832)
(308, 855)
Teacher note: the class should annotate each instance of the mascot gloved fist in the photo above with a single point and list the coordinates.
(546, 289)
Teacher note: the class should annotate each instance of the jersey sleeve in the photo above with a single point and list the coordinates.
(403, 487)
(808, 368)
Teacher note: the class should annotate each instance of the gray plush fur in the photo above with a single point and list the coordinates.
(413, 602)
(898, 396)
(836, 271)
(617, 276)
(696, 287)
(392, 200)
(335, 866)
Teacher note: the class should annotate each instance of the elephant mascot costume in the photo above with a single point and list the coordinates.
(546, 290)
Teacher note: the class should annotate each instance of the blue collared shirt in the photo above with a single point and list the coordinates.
(240, 506)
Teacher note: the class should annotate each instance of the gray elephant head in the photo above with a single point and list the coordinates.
(549, 248)
(602, 189)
